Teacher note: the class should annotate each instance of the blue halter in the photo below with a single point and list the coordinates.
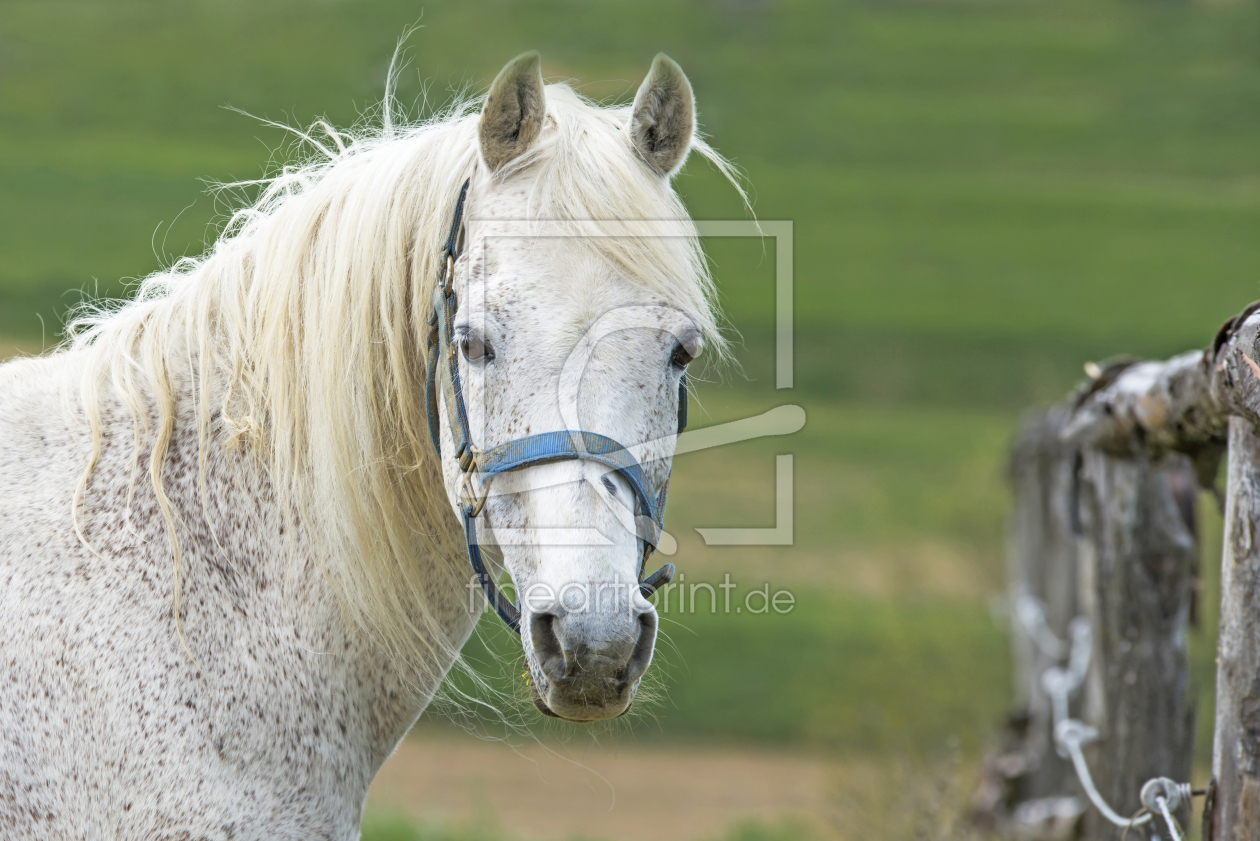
(442, 372)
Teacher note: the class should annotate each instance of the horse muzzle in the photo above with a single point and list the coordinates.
(587, 667)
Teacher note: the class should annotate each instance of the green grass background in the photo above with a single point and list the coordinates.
(985, 195)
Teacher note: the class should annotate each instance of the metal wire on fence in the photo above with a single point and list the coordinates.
(1159, 795)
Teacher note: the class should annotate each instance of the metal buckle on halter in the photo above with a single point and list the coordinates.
(448, 282)
(468, 499)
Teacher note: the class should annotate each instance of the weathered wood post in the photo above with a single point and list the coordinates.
(1099, 535)
(1136, 562)
(1043, 598)
(1233, 809)
(1152, 432)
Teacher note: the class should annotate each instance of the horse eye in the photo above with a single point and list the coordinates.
(475, 349)
(686, 351)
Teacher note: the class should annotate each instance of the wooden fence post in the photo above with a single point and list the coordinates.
(1233, 809)
(1103, 536)
(1042, 595)
(1137, 556)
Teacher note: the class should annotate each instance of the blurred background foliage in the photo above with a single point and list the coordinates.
(985, 196)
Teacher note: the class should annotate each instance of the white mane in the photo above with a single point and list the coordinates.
(299, 335)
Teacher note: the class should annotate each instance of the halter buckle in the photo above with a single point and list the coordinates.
(468, 499)
(448, 281)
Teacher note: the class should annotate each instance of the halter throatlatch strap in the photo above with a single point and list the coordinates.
(443, 386)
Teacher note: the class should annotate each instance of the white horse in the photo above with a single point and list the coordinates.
(230, 578)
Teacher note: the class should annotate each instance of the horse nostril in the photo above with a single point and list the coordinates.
(642, 654)
(547, 650)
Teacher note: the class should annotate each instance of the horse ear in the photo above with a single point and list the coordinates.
(513, 114)
(663, 118)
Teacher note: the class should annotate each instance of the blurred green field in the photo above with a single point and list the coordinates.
(1052, 179)
(985, 195)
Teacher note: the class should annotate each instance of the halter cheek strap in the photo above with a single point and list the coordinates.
(442, 375)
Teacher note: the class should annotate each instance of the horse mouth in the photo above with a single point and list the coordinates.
(541, 705)
(536, 697)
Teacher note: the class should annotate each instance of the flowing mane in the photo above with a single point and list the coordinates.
(299, 334)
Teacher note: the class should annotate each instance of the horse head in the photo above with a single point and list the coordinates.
(571, 330)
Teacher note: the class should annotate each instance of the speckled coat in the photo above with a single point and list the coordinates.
(108, 729)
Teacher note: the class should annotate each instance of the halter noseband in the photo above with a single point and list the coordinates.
(442, 371)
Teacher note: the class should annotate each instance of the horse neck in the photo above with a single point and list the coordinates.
(249, 580)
